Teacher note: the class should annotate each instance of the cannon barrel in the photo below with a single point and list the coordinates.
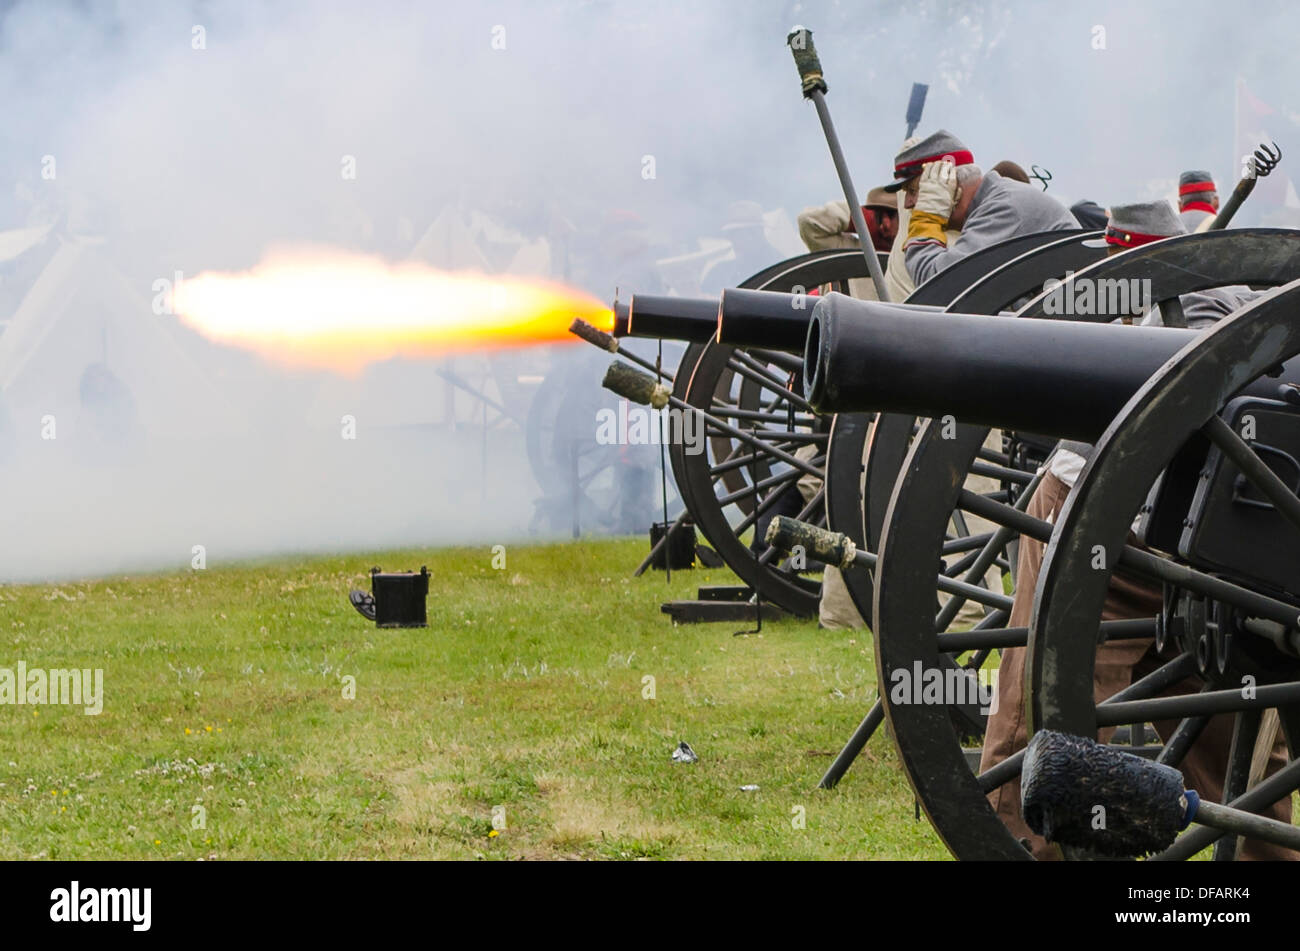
(694, 319)
(773, 321)
(770, 319)
(620, 319)
(1057, 377)
(741, 317)
(764, 319)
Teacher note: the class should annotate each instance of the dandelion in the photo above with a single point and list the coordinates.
(157, 841)
(208, 728)
(188, 731)
(63, 809)
(493, 834)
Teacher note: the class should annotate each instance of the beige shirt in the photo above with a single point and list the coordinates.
(828, 227)
(898, 282)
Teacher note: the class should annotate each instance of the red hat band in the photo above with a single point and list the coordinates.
(1130, 239)
(908, 169)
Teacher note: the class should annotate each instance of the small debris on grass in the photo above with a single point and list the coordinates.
(684, 753)
(749, 787)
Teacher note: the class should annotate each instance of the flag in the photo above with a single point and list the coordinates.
(1259, 123)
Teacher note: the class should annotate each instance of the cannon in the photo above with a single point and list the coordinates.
(1064, 378)
(923, 503)
(750, 387)
(1223, 548)
(855, 501)
(740, 317)
(910, 525)
(726, 372)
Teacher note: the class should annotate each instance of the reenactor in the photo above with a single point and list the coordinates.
(829, 226)
(1198, 200)
(1089, 214)
(945, 190)
(1009, 169)
(825, 227)
(1130, 226)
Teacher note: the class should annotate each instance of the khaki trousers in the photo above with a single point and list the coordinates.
(836, 608)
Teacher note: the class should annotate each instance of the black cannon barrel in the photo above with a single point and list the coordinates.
(773, 321)
(694, 319)
(769, 319)
(620, 319)
(764, 319)
(1057, 377)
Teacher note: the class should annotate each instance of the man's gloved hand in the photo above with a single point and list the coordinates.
(935, 196)
(938, 189)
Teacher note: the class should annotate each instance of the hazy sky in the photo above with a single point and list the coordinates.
(203, 156)
(194, 137)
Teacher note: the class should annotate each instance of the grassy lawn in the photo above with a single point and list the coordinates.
(227, 689)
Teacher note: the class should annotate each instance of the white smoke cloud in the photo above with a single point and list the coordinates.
(527, 125)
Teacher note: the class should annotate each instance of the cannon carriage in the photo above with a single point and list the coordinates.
(1191, 499)
(733, 377)
(1202, 488)
(743, 369)
(1225, 611)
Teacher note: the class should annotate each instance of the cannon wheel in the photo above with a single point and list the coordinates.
(905, 631)
(846, 452)
(830, 266)
(1181, 402)
(1018, 268)
(584, 484)
(863, 461)
(751, 389)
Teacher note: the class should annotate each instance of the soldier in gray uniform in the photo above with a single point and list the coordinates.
(1198, 200)
(1137, 224)
(1204, 309)
(947, 190)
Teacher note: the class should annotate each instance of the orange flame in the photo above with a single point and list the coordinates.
(342, 311)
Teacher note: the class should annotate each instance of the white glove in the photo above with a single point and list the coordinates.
(938, 189)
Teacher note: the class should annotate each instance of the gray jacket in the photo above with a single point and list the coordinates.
(1002, 209)
(1193, 218)
(1204, 309)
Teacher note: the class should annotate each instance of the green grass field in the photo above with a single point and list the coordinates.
(230, 729)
